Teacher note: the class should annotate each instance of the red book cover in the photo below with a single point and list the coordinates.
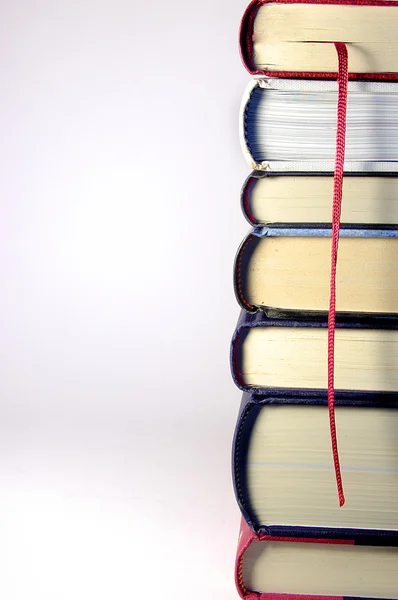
(247, 30)
(246, 538)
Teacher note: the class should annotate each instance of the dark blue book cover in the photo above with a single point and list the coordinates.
(365, 333)
(282, 465)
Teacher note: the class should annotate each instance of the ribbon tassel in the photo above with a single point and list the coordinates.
(336, 216)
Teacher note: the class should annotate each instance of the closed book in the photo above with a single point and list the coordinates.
(292, 354)
(290, 125)
(286, 270)
(284, 198)
(283, 470)
(292, 38)
(283, 568)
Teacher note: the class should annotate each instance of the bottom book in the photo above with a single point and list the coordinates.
(283, 568)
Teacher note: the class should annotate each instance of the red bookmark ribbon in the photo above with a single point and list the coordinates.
(336, 215)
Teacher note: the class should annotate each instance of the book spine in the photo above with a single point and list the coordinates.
(246, 536)
(246, 36)
(248, 412)
(245, 196)
(240, 266)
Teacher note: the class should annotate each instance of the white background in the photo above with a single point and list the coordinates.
(120, 219)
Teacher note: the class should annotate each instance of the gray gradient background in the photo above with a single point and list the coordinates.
(120, 218)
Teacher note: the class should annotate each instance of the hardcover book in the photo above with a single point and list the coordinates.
(290, 354)
(279, 568)
(283, 469)
(291, 38)
(282, 270)
(284, 198)
(290, 125)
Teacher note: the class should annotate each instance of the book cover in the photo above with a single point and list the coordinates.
(285, 271)
(380, 20)
(280, 120)
(280, 410)
(286, 371)
(284, 198)
(287, 563)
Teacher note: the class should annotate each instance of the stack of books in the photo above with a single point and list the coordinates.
(315, 350)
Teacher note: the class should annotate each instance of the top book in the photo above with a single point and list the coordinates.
(294, 38)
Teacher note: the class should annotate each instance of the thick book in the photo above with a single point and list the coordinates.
(292, 354)
(290, 125)
(283, 198)
(293, 38)
(287, 270)
(283, 469)
(282, 568)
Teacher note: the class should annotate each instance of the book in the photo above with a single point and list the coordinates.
(283, 469)
(284, 270)
(284, 198)
(290, 125)
(283, 353)
(292, 37)
(269, 568)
